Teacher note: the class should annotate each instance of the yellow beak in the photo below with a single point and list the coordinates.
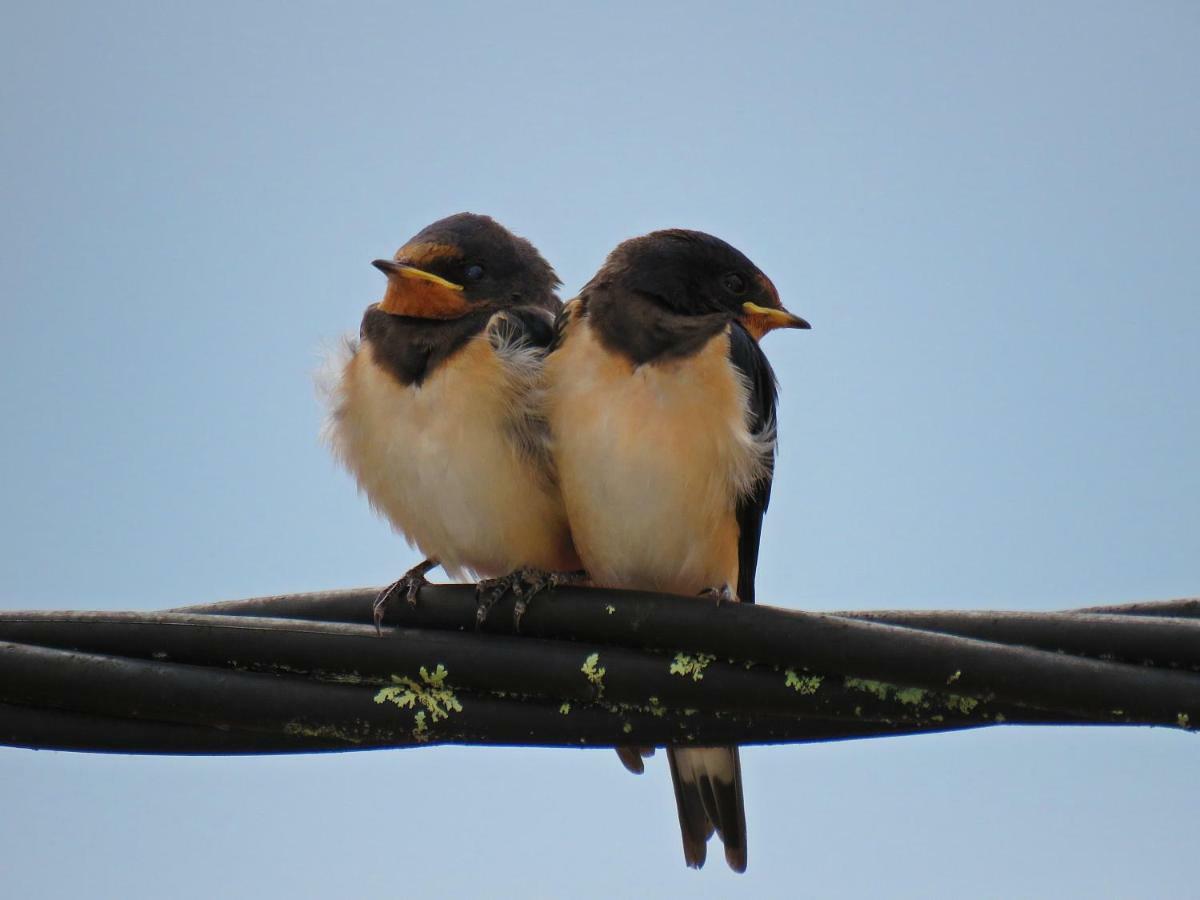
(761, 319)
(390, 267)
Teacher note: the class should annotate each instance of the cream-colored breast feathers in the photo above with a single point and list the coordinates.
(652, 460)
(459, 463)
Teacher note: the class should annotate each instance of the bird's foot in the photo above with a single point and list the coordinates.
(487, 592)
(722, 594)
(535, 582)
(409, 585)
(525, 584)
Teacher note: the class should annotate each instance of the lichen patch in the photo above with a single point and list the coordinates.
(802, 684)
(430, 697)
(691, 666)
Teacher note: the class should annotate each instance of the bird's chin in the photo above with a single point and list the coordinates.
(423, 300)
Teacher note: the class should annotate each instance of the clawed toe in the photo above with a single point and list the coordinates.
(409, 584)
(525, 584)
(379, 607)
(531, 583)
(487, 593)
(722, 594)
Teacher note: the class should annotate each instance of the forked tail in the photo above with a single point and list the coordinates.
(708, 792)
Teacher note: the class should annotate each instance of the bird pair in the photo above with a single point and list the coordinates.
(629, 433)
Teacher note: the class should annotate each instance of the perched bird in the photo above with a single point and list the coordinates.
(662, 416)
(435, 409)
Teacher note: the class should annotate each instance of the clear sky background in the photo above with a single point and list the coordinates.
(989, 216)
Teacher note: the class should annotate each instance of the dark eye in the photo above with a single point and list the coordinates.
(474, 273)
(734, 283)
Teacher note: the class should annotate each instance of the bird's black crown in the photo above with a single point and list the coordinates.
(490, 262)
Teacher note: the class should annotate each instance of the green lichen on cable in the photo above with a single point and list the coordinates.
(802, 684)
(960, 704)
(911, 696)
(877, 688)
(420, 727)
(691, 666)
(918, 698)
(276, 668)
(430, 697)
(594, 672)
(339, 732)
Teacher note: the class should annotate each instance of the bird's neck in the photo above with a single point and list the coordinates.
(411, 349)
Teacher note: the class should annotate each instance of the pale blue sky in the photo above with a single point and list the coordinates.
(990, 217)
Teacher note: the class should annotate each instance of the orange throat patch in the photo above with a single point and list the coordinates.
(423, 299)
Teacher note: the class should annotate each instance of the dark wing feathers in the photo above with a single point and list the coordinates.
(748, 358)
(571, 310)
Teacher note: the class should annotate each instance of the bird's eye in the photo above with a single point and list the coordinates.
(734, 283)
(474, 273)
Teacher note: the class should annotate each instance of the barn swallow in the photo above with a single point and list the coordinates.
(434, 409)
(662, 415)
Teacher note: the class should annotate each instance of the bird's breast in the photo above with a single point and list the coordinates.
(652, 460)
(454, 462)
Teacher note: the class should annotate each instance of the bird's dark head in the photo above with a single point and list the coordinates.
(691, 273)
(464, 263)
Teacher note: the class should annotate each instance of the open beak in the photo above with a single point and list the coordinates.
(758, 320)
(420, 294)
